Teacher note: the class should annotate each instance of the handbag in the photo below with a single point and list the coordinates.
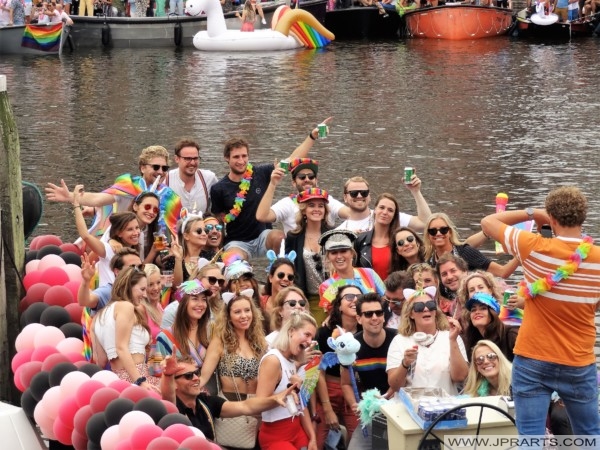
(238, 432)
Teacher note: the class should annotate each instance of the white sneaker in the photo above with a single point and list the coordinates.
(264, 22)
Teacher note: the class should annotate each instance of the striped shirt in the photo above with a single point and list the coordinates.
(558, 326)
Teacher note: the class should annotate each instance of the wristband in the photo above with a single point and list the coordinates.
(406, 367)
(78, 207)
(311, 136)
(139, 381)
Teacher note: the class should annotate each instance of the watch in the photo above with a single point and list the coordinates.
(529, 212)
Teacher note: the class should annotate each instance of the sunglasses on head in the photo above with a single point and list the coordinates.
(304, 176)
(369, 314)
(149, 207)
(363, 193)
(293, 303)
(189, 159)
(281, 276)
(200, 231)
(208, 228)
(431, 305)
(350, 297)
(189, 375)
(157, 167)
(481, 359)
(214, 280)
(434, 231)
(410, 239)
(394, 301)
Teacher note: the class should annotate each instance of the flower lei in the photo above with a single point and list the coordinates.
(240, 198)
(542, 285)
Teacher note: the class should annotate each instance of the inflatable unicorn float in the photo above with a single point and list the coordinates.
(290, 29)
(540, 17)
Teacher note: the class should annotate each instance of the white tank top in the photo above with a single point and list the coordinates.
(288, 368)
(105, 331)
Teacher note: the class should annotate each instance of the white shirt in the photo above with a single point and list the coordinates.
(362, 225)
(196, 198)
(286, 210)
(105, 275)
(432, 368)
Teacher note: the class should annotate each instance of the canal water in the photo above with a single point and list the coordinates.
(474, 118)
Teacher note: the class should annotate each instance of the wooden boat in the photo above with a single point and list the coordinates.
(155, 32)
(364, 22)
(458, 21)
(32, 39)
(558, 31)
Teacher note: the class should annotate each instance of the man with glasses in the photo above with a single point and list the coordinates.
(180, 384)
(395, 283)
(191, 183)
(370, 364)
(357, 197)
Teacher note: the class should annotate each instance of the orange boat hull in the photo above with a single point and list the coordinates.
(458, 22)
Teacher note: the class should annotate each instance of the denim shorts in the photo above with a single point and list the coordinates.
(256, 248)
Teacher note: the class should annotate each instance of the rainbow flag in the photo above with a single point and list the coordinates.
(45, 38)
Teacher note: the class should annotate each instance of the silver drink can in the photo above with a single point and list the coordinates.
(291, 406)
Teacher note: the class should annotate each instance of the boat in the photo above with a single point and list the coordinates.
(159, 32)
(458, 21)
(530, 26)
(33, 39)
(291, 29)
(364, 22)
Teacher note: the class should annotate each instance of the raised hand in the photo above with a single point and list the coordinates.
(56, 193)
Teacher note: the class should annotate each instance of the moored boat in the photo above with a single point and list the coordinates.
(32, 39)
(364, 22)
(556, 31)
(458, 21)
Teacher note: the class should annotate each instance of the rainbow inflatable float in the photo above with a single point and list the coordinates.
(291, 28)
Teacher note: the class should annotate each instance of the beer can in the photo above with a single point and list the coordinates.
(408, 173)
(507, 294)
(322, 130)
(284, 165)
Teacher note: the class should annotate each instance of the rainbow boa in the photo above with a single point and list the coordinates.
(542, 285)
(131, 186)
(240, 198)
(511, 316)
(86, 325)
(165, 296)
(366, 279)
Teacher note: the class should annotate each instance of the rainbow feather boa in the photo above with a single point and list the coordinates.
(240, 198)
(529, 290)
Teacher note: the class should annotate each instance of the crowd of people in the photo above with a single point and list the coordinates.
(425, 305)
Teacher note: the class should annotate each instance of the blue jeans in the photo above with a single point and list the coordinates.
(534, 381)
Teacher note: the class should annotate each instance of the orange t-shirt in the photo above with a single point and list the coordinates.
(558, 326)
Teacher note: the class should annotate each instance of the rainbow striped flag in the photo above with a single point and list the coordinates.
(45, 38)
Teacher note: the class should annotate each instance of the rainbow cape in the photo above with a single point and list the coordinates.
(129, 186)
(511, 316)
(45, 38)
(366, 279)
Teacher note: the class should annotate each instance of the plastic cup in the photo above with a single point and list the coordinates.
(160, 241)
(167, 278)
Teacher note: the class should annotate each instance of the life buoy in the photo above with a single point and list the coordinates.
(177, 34)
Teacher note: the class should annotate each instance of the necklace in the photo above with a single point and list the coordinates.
(240, 198)
(542, 285)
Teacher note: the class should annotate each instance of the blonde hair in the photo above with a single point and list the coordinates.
(297, 320)
(475, 379)
(407, 325)
(152, 309)
(154, 151)
(454, 236)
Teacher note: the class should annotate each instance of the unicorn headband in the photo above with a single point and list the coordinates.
(190, 287)
(430, 291)
(186, 216)
(273, 257)
(228, 296)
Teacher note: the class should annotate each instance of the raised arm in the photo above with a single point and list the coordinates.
(213, 355)
(503, 270)
(303, 149)
(459, 367)
(423, 211)
(92, 241)
(84, 296)
(493, 224)
(264, 213)
(62, 194)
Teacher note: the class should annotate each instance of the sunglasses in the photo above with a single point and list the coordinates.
(304, 176)
(200, 231)
(189, 375)
(210, 227)
(281, 276)
(369, 314)
(481, 359)
(189, 159)
(395, 302)
(410, 239)
(293, 303)
(318, 263)
(354, 194)
(138, 268)
(434, 231)
(350, 297)
(431, 305)
(149, 207)
(157, 167)
(214, 280)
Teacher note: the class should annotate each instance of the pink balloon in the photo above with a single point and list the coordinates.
(21, 358)
(163, 443)
(69, 247)
(32, 278)
(196, 443)
(52, 400)
(48, 336)
(17, 379)
(179, 432)
(155, 395)
(70, 345)
(49, 261)
(27, 372)
(125, 445)
(171, 407)
(110, 438)
(26, 337)
(105, 377)
(130, 421)
(119, 385)
(66, 412)
(53, 360)
(197, 432)
(135, 393)
(75, 357)
(42, 352)
(58, 296)
(102, 397)
(143, 435)
(79, 441)
(62, 432)
(43, 240)
(43, 420)
(81, 419)
(54, 276)
(74, 309)
(86, 390)
(70, 383)
(73, 272)
(36, 292)
(32, 265)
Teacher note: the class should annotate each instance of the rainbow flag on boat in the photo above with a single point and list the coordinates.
(45, 38)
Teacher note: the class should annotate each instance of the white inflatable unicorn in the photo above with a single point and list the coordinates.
(291, 28)
(540, 17)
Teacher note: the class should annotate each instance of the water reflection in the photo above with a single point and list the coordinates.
(474, 118)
